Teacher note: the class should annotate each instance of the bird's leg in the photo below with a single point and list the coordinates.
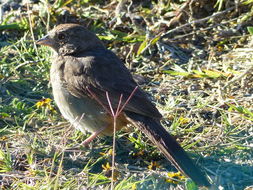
(76, 148)
(92, 137)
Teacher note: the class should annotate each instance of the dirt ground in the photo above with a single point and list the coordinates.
(194, 58)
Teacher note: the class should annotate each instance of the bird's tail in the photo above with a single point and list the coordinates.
(168, 146)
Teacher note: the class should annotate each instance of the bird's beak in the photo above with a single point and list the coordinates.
(46, 41)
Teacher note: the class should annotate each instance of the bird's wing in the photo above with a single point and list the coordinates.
(98, 72)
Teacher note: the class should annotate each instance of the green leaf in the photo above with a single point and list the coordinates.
(247, 2)
(212, 74)
(119, 33)
(176, 73)
(62, 3)
(133, 38)
(67, 2)
(190, 185)
(4, 115)
(154, 40)
(109, 37)
(198, 72)
(250, 30)
(9, 26)
(142, 46)
(219, 4)
(5, 161)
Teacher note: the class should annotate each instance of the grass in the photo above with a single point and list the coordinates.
(208, 114)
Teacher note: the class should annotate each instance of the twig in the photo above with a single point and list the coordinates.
(203, 29)
(115, 115)
(197, 21)
(128, 99)
(113, 149)
(238, 78)
(109, 102)
(31, 28)
(120, 100)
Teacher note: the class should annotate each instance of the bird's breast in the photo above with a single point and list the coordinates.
(83, 113)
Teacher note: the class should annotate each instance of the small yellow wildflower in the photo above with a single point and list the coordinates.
(220, 48)
(184, 120)
(153, 165)
(139, 153)
(31, 172)
(43, 103)
(108, 171)
(3, 138)
(175, 178)
(106, 167)
(46, 103)
(108, 153)
(134, 187)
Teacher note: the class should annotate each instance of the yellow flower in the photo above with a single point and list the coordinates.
(108, 153)
(153, 165)
(43, 103)
(139, 153)
(30, 172)
(108, 171)
(184, 120)
(220, 48)
(3, 138)
(46, 103)
(175, 178)
(134, 187)
(106, 167)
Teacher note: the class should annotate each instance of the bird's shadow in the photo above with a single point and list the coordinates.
(228, 175)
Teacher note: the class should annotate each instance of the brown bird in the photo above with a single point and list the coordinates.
(81, 74)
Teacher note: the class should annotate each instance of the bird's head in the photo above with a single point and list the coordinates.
(67, 39)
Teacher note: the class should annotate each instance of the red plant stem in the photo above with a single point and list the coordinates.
(128, 99)
(118, 108)
(110, 104)
(114, 115)
(113, 150)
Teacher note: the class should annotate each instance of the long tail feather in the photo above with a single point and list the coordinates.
(168, 146)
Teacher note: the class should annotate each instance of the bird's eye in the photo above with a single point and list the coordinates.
(61, 36)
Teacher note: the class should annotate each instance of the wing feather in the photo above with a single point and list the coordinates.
(101, 72)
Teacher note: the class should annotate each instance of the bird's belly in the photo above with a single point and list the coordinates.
(83, 113)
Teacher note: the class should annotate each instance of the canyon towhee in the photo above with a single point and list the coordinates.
(81, 75)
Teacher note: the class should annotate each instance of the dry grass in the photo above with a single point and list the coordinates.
(199, 76)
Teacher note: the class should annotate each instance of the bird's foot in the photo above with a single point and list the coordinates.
(85, 143)
(92, 137)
